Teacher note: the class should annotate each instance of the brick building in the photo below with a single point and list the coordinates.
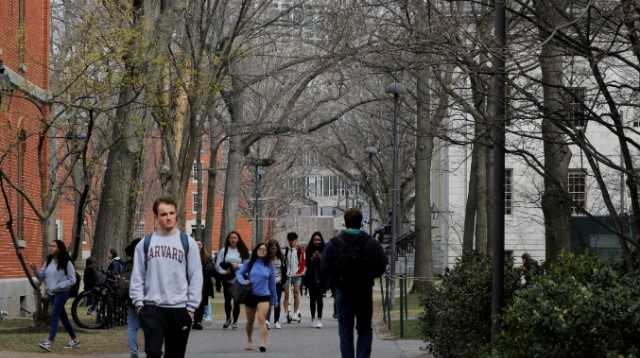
(24, 41)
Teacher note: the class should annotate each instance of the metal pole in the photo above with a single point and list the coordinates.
(401, 306)
(255, 207)
(396, 194)
(496, 172)
(199, 190)
(370, 201)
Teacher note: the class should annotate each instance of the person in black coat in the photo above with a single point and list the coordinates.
(207, 286)
(313, 278)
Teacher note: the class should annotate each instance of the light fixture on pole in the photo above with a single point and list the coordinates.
(394, 89)
(259, 174)
(371, 151)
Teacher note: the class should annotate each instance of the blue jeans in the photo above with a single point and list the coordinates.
(133, 324)
(59, 313)
(355, 305)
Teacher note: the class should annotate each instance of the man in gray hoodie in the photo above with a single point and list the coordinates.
(166, 284)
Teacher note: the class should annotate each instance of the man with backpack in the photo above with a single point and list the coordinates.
(166, 284)
(116, 265)
(351, 261)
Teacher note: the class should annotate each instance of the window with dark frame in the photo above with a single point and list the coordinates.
(196, 202)
(577, 190)
(508, 191)
(576, 109)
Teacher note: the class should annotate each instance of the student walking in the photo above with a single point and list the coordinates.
(58, 275)
(294, 261)
(207, 286)
(277, 261)
(133, 321)
(313, 279)
(228, 261)
(260, 274)
(166, 284)
(351, 261)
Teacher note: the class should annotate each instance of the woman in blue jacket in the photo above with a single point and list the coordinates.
(58, 275)
(260, 274)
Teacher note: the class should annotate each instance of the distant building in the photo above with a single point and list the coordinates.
(24, 44)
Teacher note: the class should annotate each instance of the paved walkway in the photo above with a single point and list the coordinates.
(293, 340)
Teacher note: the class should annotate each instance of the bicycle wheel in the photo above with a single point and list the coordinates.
(89, 310)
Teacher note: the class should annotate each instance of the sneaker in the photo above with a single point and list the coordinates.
(318, 324)
(234, 325)
(277, 325)
(299, 315)
(268, 324)
(73, 343)
(46, 345)
(313, 322)
(263, 349)
(226, 324)
(289, 319)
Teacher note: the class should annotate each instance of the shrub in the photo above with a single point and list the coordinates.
(581, 307)
(457, 316)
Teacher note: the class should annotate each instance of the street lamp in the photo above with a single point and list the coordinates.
(259, 164)
(371, 151)
(394, 89)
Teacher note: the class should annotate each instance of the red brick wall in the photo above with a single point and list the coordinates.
(20, 113)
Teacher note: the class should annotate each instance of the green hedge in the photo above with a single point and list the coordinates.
(457, 317)
(580, 307)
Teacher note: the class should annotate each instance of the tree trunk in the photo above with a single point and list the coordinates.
(471, 205)
(424, 154)
(556, 204)
(481, 209)
(211, 187)
(123, 175)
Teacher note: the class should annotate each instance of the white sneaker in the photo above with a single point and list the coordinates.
(277, 325)
(313, 322)
(268, 324)
(299, 316)
(73, 343)
(46, 345)
(318, 324)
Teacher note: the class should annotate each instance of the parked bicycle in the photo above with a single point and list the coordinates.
(100, 307)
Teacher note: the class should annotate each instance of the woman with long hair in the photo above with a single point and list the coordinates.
(229, 259)
(277, 261)
(207, 286)
(313, 279)
(260, 274)
(58, 275)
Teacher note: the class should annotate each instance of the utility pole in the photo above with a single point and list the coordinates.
(496, 171)
(394, 89)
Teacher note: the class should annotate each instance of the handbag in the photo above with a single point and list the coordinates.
(240, 292)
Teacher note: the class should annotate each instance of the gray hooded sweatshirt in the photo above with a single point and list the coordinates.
(163, 280)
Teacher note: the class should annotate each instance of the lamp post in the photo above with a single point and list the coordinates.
(259, 173)
(394, 89)
(496, 173)
(371, 151)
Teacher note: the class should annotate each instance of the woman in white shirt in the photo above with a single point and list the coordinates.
(229, 259)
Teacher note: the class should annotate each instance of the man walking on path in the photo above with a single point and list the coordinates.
(351, 261)
(166, 284)
(294, 261)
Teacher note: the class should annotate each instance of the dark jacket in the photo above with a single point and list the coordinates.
(313, 278)
(208, 269)
(373, 256)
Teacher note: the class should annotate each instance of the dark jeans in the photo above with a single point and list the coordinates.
(276, 308)
(229, 302)
(315, 300)
(59, 313)
(170, 326)
(355, 304)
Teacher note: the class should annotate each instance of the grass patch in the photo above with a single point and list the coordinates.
(412, 329)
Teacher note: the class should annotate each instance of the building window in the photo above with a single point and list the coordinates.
(576, 188)
(508, 191)
(196, 202)
(576, 109)
(59, 230)
(196, 171)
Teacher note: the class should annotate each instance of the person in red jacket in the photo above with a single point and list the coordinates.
(294, 260)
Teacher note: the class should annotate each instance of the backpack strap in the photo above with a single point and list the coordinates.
(146, 244)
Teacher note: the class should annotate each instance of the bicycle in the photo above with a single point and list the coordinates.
(100, 307)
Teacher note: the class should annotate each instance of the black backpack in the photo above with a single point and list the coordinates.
(352, 265)
(73, 291)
